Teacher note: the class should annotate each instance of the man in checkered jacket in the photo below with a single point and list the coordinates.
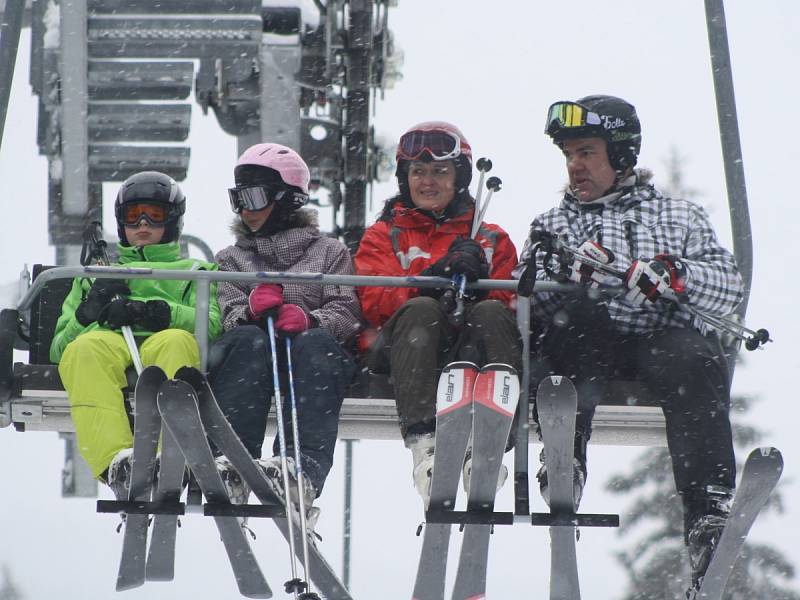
(612, 214)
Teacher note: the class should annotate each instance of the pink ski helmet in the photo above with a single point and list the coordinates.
(285, 161)
(436, 141)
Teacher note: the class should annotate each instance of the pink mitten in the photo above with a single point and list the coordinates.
(292, 319)
(264, 297)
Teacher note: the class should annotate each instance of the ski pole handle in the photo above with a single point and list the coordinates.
(493, 185)
(94, 247)
(484, 165)
(456, 317)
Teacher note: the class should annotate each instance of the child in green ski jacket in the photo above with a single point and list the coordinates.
(92, 354)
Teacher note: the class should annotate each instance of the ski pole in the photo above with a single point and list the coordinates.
(456, 317)
(493, 185)
(94, 246)
(294, 585)
(309, 595)
(752, 338)
(484, 165)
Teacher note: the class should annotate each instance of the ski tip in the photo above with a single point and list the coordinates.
(460, 364)
(555, 381)
(767, 453)
(189, 374)
(499, 367)
(150, 375)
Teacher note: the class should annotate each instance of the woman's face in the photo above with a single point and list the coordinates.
(255, 219)
(432, 185)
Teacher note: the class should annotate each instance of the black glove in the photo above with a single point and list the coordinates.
(153, 315)
(158, 316)
(100, 294)
(464, 257)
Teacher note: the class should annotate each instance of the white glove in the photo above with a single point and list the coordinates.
(580, 272)
(648, 280)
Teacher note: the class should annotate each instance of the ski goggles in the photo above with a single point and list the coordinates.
(154, 214)
(441, 145)
(566, 115)
(259, 197)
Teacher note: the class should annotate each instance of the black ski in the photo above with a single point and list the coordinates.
(761, 473)
(146, 430)
(453, 427)
(172, 467)
(557, 404)
(177, 402)
(495, 399)
(225, 438)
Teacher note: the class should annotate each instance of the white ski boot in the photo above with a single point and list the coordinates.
(422, 447)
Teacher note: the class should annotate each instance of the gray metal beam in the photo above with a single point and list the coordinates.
(280, 105)
(731, 144)
(9, 42)
(152, 80)
(74, 108)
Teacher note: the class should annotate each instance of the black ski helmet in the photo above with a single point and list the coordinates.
(156, 188)
(614, 119)
(462, 161)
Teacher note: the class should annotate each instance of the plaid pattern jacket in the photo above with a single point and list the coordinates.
(300, 249)
(641, 223)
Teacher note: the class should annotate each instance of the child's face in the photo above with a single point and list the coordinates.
(143, 233)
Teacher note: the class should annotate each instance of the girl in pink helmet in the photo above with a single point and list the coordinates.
(275, 232)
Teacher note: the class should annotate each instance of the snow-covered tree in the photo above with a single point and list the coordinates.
(9, 591)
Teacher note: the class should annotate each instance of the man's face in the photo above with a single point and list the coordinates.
(432, 184)
(590, 173)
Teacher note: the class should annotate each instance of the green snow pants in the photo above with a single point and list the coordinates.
(92, 370)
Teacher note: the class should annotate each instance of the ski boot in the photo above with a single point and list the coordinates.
(467, 473)
(578, 474)
(274, 474)
(118, 476)
(422, 447)
(237, 488)
(707, 512)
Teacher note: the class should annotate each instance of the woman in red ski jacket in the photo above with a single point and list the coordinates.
(425, 230)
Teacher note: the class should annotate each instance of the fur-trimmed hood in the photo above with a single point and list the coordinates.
(303, 217)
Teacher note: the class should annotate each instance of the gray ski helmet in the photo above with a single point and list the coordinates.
(155, 188)
(618, 125)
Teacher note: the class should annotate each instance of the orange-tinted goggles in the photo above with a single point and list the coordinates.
(154, 214)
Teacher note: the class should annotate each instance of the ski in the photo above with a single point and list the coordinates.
(177, 402)
(495, 399)
(453, 425)
(761, 473)
(557, 405)
(172, 467)
(146, 430)
(226, 440)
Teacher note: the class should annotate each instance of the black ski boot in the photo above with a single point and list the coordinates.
(706, 512)
(578, 475)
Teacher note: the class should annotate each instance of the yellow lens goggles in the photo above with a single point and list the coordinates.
(569, 115)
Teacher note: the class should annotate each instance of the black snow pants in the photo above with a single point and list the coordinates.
(240, 366)
(686, 371)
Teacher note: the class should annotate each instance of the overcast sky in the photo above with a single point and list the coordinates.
(493, 69)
